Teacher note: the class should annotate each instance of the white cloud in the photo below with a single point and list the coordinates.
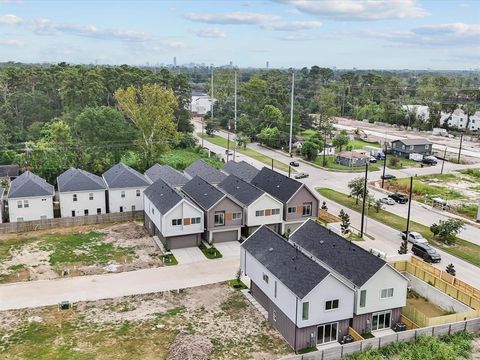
(210, 33)
(293, 25)
(10, 19)
(10, 42)
(299, 37)
(360, 10)
(234, 18)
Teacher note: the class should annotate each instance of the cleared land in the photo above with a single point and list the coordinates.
(210, 322)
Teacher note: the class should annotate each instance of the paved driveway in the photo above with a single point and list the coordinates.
(189, 255)
(229, 248)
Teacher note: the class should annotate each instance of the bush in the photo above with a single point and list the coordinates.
(393, 161)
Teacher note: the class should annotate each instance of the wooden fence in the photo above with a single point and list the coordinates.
(24, 226)
(422, 320)
(355, 335)
(327, 217)
(408, 322)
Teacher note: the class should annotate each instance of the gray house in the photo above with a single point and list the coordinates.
(166, 173)
(352, 158)
(205, 171)
(242, 170)
(223, 215)
(405, 147)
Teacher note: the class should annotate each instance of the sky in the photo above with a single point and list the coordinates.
(362, 34)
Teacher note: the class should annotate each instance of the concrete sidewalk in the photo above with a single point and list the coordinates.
(83, 288)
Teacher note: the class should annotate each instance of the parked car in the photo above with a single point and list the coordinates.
(388, 177)
(381, 156)
(399, 326)
(429, 161)
(387, 200)
(426, 252)
(229, 152)
(399, 198)
(414, 237)
(415, 157)
(294, 163)
(301, 175)
(372, 159)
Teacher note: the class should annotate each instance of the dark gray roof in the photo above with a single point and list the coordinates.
(28, 185)
(417, 141)
(241, 190)
(279, 186)
(162, 195)
(79, 180)
(9, 170)
(122, 176)
(241, 169)
(205, 171)
(347, 259)
(204, 194)
(293, 268)
(167, 174)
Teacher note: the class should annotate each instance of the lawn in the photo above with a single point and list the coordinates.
(463, 249)
(181, 158)
(211, 252)
(358, 144)
(331, 164)
(422, 190)
(221, 141)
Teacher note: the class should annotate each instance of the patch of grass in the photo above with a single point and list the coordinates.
(211, 252)
(169, 260)
(237, 284)
(182, 158)
(307, 350)
(332, 164)
(421, 189)
(401, 164)
(467, 210)
(221, 141)
(354, 237)
(475, 173)
(360, 144)
(308, 132)
(172, 312)
(13, 243)
(368, 335)
(234, 305)
(462, 249)
(16, 267)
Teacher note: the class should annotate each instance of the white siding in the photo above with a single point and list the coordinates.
(182, 210)
(262, 203)
(67, 205)
(115, 200)
(37, 207)
(385, 278)
(152, 212)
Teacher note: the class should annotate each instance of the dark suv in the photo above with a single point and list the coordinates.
(426, 252)
(399, 198)
(429, 161)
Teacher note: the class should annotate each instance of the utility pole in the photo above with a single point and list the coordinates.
(384, 164)
(235, 119)
(409, 207)
(325, 147)
(211, 99)
(291, 115)
(364, 199)
(460, 148)
(443, 162)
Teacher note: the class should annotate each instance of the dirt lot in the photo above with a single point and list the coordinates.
(76, 251)
(208, 322)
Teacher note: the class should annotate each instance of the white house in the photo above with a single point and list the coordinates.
(459, 120)
(125, 188)
(81, 193)
(260, 208)
(200, 103)
(170, 216)
(30, 198)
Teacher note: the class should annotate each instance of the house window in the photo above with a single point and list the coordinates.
(121, 208)
(307, 209)
(403, 147)
(122, 194)
(363, 298)
(195, 220)
(274, 315)
(43, 217)
(219, 218)
(85, 212)
(327, 333)
(20, 219)
(381, 320)
(386, 293)
(74, 197)
(275, 289)
(275, 211)
(138, 193)
(411, 147)
(99, 210)
(133, 207)
(292, 210)
(259, 213)
(90, 196)
(305, 308)
(25, 204)
(237, 216)
(265, 277)
(73, 213)
(331, 304)
(176, 222)
(19, 204)
(153, 211)
(426, 147)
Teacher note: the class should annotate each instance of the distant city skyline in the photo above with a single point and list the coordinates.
(383, 34)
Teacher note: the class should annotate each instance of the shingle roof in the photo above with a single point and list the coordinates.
(162, 195)
(279, 186)
(349, 260)
(241, 190)
(123, 176)
(241, 169)
(293, 268)
(28, 184)
(167, 174)
(79, 180)
(204, 194)
(9, 170)
(205, 171)
(352, 155)
(417, 141)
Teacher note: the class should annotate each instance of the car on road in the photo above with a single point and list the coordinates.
(426, 252)
(387, 200)
(414, 237)
(388, 177)
(381, 156)
(429, 161)
(399, 198)
(294, 163)
(229, 152)
(372, 159)
(301, 175)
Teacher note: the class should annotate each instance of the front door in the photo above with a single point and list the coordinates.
(381, 320)
(327, 333)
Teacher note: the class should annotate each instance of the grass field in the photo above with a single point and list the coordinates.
(463, 249)
(181, 158)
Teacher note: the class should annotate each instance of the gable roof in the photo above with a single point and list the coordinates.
(289, 265)
(416, 141)
(205, 171)
(352, 155)
(244, 192)
(279, 186)
(123, 176)
(167, 174)
(347, 259)
(241, 169)
(28, 184)
(162, 195)
(203, 193)
(79, 180)
(9, 170)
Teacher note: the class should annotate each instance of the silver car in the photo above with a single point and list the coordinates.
(387, 200)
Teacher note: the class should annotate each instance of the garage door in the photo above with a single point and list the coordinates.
(180, 242)
(223, 236)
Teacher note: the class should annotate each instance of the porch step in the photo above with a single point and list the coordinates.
(255, 303)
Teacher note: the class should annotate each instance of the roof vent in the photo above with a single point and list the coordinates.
(271, 249)
(321, 241)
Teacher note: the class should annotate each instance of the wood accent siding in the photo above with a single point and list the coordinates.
(268, 212)
(186, 221)
(228, 216)
(359, 323)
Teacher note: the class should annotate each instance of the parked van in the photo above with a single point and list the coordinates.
(415, 157)
(426, 252)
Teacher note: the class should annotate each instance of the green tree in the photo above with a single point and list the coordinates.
(310, 150)
(270, 137)
(345, 224)
(212, 126)
(340, 140)
(356, 188)
(451, 269)
(447, 230)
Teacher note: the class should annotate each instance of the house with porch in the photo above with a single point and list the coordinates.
(241, 169)
(205, 171)
(30, 198)
(299, 202)
(81, 193)
(405, 147)
(352, 158)
(223, 215)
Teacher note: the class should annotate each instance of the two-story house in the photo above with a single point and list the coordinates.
(405, 147)
(81, 193)
(166, 173)
(223, 215)
(241, 169)
(205, 171)
(125, 188)
(306, 303)
(30, 198)
(299, 202)
(177, 221)
(259, 208)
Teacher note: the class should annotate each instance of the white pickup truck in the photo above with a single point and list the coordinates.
(414, 237)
